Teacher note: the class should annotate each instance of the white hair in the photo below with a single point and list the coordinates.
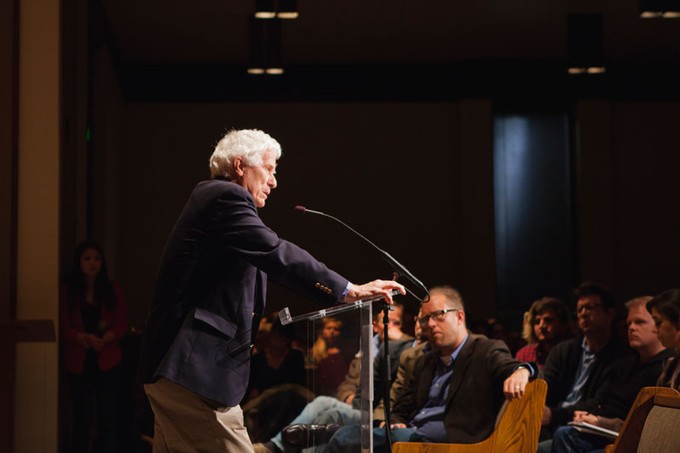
(250, 144)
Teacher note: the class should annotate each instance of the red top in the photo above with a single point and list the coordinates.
(71, 324)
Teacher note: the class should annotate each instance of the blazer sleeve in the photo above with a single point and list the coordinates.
(240, 230)
(500, 362)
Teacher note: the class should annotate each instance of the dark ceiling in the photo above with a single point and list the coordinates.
(177, 50)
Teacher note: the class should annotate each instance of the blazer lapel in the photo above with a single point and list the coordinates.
(459, 367)
(426, 378)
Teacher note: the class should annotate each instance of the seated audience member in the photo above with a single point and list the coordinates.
(276, 407)
(262, 333)
(498, 331)
(277, 363)
(577, 368)
(397, 344)
(347, 390)
(494, 329)
(665, 309)
(404, 370)
(329, 361)
(548, 324)
(399, 341)
(632, 373)
(324, 414)
(326, 342)
(456, 389)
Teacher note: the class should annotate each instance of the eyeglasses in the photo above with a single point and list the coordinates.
(436, 315)
(587, 307)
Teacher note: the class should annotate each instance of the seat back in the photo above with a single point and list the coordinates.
(661, 432)
(518, 426)
(649, 400)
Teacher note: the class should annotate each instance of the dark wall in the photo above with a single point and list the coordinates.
(416, 178)
(628, 202)
(390, 170)
(647, 204)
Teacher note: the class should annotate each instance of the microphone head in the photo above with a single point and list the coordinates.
(299, 208)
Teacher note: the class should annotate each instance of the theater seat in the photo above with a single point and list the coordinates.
(653, 423)
(517, 428)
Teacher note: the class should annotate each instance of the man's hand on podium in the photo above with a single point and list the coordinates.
(375, 288)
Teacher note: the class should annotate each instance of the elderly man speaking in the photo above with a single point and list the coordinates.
(210, 294)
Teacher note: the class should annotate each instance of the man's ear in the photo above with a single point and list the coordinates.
(238, 166)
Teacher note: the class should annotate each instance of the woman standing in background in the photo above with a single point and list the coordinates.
(93, 319)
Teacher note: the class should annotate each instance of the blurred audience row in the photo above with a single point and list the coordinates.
(446, 383)
(595, 360)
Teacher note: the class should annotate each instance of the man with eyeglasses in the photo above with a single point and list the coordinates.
(577, 368)
(457, 388)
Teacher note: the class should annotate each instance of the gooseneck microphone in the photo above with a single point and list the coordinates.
(399, 270)
(396, 265)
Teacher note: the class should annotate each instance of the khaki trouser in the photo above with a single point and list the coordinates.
(187, 422)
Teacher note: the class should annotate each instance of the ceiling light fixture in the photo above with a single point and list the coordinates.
(265, 9)
(585, 44)
(287, 9)
(279, 9)
(265, 47)
(660, 9)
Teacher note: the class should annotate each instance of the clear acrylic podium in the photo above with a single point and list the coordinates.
(358, 318)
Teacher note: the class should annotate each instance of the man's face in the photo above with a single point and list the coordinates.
(331, 331)
(592, 315)
(547, 326)
(447, 333)
(641, 329)
(393, 326)
(259, 180)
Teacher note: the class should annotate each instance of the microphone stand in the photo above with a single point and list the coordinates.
(399, 269)
(286, 318)
(387, 378)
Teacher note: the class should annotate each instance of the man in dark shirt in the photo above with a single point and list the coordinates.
(632, 373)
(576, 369)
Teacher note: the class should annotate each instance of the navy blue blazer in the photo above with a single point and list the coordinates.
(210, 292)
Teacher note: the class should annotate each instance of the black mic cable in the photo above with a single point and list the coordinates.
(396, 265)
